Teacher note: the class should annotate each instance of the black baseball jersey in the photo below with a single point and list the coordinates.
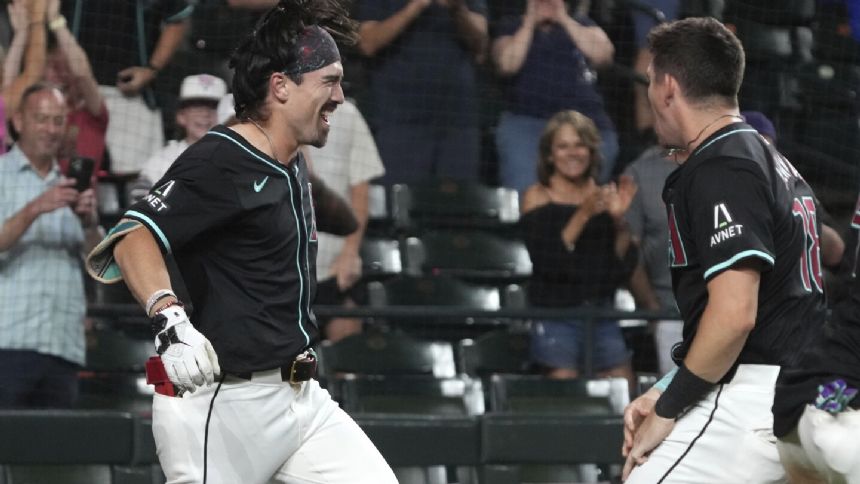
(241, 228)
(737, 199)
(834, 354)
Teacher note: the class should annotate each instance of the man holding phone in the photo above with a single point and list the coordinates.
(46, 225)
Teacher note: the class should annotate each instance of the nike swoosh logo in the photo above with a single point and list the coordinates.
(259, 185)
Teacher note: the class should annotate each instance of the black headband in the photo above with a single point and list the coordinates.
(315, 48)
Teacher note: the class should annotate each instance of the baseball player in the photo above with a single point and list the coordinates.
(816, 403)
(235, 211)
(746, 272)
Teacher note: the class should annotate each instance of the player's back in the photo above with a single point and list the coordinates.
(738, 200)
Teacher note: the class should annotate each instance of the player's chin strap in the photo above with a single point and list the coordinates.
(206, 431)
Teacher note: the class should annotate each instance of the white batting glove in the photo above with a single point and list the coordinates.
(188, 357)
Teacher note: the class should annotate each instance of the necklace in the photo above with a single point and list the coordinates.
(271, 145)
(709, 125)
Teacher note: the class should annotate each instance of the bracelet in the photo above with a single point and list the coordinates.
(157, 296)
(57, 23)
(155, 70)
(686, 389)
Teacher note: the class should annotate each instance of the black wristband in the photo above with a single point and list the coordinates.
(685, 389)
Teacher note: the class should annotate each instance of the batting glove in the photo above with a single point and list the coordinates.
(187, 355)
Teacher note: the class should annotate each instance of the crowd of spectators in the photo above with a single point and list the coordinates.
(542, 96)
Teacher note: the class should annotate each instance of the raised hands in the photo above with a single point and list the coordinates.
(618, 197)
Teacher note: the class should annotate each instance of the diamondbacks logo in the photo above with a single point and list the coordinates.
(677, 254)
(724, 226)
(156, 197)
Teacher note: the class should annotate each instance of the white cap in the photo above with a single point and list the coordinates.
(204, 87)
(226, 108)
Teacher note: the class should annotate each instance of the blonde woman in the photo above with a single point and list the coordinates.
(580, 246)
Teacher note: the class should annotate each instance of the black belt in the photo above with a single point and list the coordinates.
(301, 369)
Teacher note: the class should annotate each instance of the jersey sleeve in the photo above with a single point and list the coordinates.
(193, 196)
(730, 215)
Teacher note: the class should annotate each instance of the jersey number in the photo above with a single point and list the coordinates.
(810, 260)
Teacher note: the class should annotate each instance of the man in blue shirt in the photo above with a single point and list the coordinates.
(424, 99)
(46, 224)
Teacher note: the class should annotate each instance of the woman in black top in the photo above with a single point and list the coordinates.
(580, 246)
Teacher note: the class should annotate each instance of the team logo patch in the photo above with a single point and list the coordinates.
(724, 226)
(156, 198)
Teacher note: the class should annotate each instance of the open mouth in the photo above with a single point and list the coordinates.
(326, 113)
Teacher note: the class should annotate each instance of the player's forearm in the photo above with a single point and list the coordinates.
(725, 324)
(374, 36)
(15, 226)
(142, 264)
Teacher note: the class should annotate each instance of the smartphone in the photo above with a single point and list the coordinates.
(81, 170)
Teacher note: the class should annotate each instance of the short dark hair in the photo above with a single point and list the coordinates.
(585, 129)
(703, 55)
(269, 48)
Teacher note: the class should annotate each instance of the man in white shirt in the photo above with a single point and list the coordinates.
(346, 164)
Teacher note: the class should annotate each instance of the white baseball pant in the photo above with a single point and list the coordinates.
(824, 448)
(725, 438)
(263, 431)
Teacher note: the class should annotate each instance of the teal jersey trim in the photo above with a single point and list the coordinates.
(155, 228)
(741, 255)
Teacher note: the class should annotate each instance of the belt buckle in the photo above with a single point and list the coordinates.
(303, 368)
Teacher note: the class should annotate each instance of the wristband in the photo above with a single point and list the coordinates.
(157, 296)
(686, 389)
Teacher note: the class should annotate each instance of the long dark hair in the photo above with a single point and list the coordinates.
(270, 47)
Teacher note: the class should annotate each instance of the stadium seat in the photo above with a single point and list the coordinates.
(386, 353)
(571, 425)
(378, 214)
(433, 291)
(470, 255)
(449, 203)
(439, 291)
(113, 377)
(495, 352)
(380, 258)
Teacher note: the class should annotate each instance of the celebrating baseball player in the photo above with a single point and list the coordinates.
(236, 401)
(746, 272)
